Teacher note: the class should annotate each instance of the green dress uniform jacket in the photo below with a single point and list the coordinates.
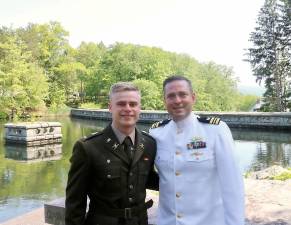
(115, 186)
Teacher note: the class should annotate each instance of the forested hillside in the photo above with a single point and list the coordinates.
(40, 70)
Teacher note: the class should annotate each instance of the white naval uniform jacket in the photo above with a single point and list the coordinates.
(200, 183)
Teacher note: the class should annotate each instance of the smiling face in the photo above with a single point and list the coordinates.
(125, 108)
(178, 99)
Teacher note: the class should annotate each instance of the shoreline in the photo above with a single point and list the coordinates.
(268, 202)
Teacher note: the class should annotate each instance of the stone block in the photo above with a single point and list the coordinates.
(54, 212)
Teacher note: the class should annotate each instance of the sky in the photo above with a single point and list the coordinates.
(207, 30)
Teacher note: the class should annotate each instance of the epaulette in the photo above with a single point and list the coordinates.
(86, 138)
(160, 123)
(210, 120)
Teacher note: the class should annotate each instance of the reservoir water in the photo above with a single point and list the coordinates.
(28, 184)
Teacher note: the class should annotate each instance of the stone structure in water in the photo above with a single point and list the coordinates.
(30, 134)
(38, 141)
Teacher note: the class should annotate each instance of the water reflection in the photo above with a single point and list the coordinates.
(269, 154)
(34, 153)
(261, 135)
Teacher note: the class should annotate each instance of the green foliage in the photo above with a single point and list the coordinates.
(217, 89)
(38, 69)
(90, 105)
(282, 176)
(246, 102)
(270, 56)
(3, 116)
(151, 97)
(23, 85)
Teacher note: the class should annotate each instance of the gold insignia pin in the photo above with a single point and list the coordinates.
(141, 146)
(114, 146)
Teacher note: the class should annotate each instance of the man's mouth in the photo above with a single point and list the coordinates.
(178, 108)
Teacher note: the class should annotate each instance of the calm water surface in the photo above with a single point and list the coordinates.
(28, 184)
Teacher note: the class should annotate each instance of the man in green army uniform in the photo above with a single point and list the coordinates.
(113, 168)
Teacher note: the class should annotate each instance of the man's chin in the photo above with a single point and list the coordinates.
(128, 123)
(179, 116)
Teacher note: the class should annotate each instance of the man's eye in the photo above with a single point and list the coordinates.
(133, 104)
(121, 104)
(171, 96)
(182, 95)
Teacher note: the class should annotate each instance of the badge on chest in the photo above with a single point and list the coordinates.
(196, 143)
(196, 148)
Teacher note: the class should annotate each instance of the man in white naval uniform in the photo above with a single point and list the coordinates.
(200, 183)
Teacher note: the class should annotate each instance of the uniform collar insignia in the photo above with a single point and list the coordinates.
(115, 146)
(141, 146)
(108, 140)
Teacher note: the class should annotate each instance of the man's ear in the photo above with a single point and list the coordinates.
(194, 97)
(109, 107)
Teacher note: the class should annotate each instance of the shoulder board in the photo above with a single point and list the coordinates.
(86, 138)
(160, 123)
(209, 120)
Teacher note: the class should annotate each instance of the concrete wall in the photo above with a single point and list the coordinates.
(271, 120)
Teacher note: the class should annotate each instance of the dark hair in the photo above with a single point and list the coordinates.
(177, 78)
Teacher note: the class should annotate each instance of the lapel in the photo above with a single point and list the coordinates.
(111, 143)
(139, 147)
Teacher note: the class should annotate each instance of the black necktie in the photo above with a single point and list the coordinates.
(128, 147)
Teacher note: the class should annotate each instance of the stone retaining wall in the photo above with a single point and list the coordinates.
(260, 120)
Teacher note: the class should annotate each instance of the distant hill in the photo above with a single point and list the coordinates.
(251, 90)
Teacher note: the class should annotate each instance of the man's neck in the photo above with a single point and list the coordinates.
(126, 131)
(122, 133)
(180, 120)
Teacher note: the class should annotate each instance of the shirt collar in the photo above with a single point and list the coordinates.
(188, 121)
(120, 136)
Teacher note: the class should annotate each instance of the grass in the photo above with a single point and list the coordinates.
(283, 176)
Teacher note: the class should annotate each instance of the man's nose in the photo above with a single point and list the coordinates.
(127, 106)
(177, 99)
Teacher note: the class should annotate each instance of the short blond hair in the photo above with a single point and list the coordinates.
(122, 86)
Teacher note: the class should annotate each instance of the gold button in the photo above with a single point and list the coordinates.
(178, 195)
(179, 215)
(108, 176)
(108, 161)
(178, 173)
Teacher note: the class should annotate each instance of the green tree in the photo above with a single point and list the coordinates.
(217, 90)
(247, 102)
(23, 85)
(151, 97)
(50, 49)
(90, 55)
(270, 56)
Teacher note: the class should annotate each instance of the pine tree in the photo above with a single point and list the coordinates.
(270, 55)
